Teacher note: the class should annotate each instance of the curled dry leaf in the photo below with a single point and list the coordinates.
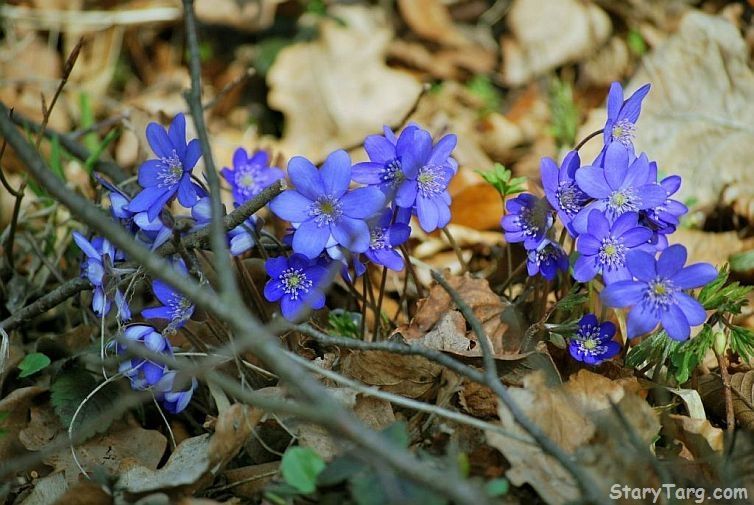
(337, 89)
(712, 390)
(578, 417)
(410, 376)
(539, 43)
(248, 481)
(16, 405)
(697, 435)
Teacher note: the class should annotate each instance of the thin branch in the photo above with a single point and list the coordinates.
(45, 303)
(588, 487)
(587, 139)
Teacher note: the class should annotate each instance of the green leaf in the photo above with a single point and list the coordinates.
(652, 350)
(56, 157)
(499, 178)
(724, 298)
(344, 323)
(742, 262)
(564, 114)
(496, 487)
(482, 87)
(33, 363)
(636, 42)
(90, 140)
(685, 357)
(576, 297)
(300, 468)
(99, 148)
(71, 387)
(267, 52)
(742, 342)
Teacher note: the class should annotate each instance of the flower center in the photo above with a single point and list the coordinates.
(623, 132)
(172, 170)
(623, 200)
(660, 293)
(295, 282)
(392, 173)
(612, 253)
(570, 197)
(431, 180)
(377, 239)
(589, 342)
(326, 210)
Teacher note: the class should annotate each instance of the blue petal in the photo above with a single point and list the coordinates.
(613, 275)
(427, 212)
(588, 245)
(632, 108)
(443, 213)
(367, 172)
(275, 266)
(550, 180)
(623, 293)
(641, 265)
(177, 134)
(671, 261)
(694, 276)
(652, 195)
(85, 246)
(193, 153)
(163, 292)
(414, 151)
(614, 100)
(589, 320)
(152, 372)
(157, 313)
(146, 198)
(379, 149)
(292, 309)
(592, 181)
(273, 290)
(598, 225)
(159, 141)
(310, 239)
(692, 309)
(616, 162)
(291, 206)
(241, 243)
(406, 194)
(305, 177)
(640, 321)
(584, 269)
(351, 233)
(336, 173)
(149, 172)
(624, 223)
(441, 151)
(638, 173)
(187, 192)
(607, 330)
(636, 236)
(675, 323)
(362, 202)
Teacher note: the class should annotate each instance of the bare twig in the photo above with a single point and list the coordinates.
(730, 415)
(45, 303)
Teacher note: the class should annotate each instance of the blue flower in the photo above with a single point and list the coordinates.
(561, 190)
(296, 283)
(99, 269)
(618, 186)
(527, 220)
(174, 401)
(175, 307)
(546, 259)
(385, 236)
(250, 176)
(322, 207)
(593, 342)
(143, 373)
(240, 238)
(665, 218)
(170, 173)
(604, 247)
(657, 296)
(622, 115)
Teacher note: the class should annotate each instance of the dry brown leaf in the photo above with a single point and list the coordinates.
(232, 429)
(577, 416)
(244, 16)
(431, 20)
(410, 376)
(478, 400)
(712, 391)
(539, 43)
(698, 435)
(86, 492)
(250, 480)
(610, 63)
(696, 121)
(714, 248)
(17, 405)
(337, 89)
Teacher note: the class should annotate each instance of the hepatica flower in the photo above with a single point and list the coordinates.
(527, 220)
(622, 115)
(561, 190)
(604, 247)
(593, 342)
(657, 295)
(546, 259)
(296, 283)
(170, 174)
(99, 269)
(143, 373)
(240, 238)
(384, 237)
(250, 175)
(175, 308)
(618, 186)
(173, 399)
(665, 218)
(413, 170)
(322, 207)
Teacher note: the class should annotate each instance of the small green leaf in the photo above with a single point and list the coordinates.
(344, 323)
(32, 364)
(496, 487)
(564, 114)
(636, 42)
(482, 87)
(742, 342)
(300, 468)
(742, 262)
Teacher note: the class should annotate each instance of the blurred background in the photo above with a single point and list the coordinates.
(515, 79)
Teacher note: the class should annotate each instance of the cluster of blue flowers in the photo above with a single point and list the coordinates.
(332, 225)
(336, 225)
(620, 216)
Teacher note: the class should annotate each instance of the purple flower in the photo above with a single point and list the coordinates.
(175, 307)
(170, 173)
(413, 171)
(527, 220)
(321, 206)
(385, 236)
(250, 175)
(546, 259)
(665, 218)
(143, 373)
(174, 401)
(656, 296)
(561, 190)
(622, 115)
(618, 187)
(99, 269)
(593, 342)
(603, 248)
(240, 238)
(296, 283)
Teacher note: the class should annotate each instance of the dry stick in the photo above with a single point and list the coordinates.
(456, 249)
(585, 482)
(327, 411)
(221, 257)
(730, 415)
(378, 315)
(50, 300)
